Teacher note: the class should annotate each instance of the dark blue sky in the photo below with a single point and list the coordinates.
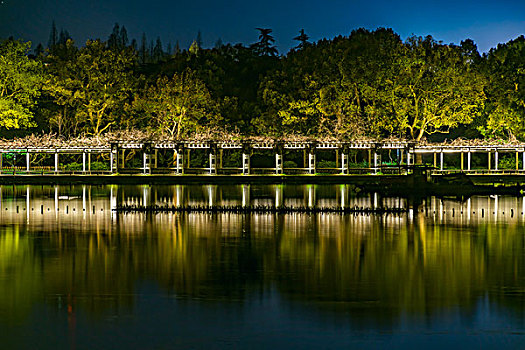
(486, 22)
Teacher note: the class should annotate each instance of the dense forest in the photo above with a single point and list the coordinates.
(370, 84)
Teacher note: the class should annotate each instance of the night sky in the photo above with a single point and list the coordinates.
(486, 22)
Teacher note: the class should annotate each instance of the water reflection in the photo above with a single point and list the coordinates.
(63, 247)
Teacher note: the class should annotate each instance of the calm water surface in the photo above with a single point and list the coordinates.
(75, 274)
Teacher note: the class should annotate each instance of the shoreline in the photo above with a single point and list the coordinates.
(459, 185)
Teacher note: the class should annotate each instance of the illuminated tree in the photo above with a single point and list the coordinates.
(20, 82)
(505, 70)
(178, 106)
(435, 89)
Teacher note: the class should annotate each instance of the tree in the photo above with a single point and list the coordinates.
(63, 37)
(194, 48)
(143, 52)
(178, 106)
(435, 88)
(504, 69)
(20, 82)
(302, 38)
(264, 46)
(123, 38)
(39, 51)
(332, 88)
(199, 39)
(60, 86)
(97, 83)
(53, 36)
(114, 38)
(158, 52)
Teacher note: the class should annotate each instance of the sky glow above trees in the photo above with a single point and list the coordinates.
(486, 22)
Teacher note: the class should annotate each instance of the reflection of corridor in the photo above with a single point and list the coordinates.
(69, 204)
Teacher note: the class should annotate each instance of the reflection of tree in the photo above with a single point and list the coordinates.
(365, 267)
(20, 274)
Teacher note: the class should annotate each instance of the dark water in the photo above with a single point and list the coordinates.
(74, 274)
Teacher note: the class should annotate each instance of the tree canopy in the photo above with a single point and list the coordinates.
(370, 83)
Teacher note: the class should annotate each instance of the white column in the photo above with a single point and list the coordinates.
(111, 160)
(56, 162)
(496, 160)
(245, 164)
(468, 160)
(522, 161)
(311, 163)
(213, 164)
(441, 160)
(375, 163)
(83, 162)
(179, 162)
(145, 162)
(278, 163)
(344, 164)
(27, 161)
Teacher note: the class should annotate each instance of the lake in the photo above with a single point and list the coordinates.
(76, 274)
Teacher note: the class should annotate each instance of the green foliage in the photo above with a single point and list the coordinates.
(504, 67)
(289, 164)
(98, 165)
(91, 86)
(72, 166)
(326, 164)
(369, 84)
(20, 81)
(435, 90)
(178, 106)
